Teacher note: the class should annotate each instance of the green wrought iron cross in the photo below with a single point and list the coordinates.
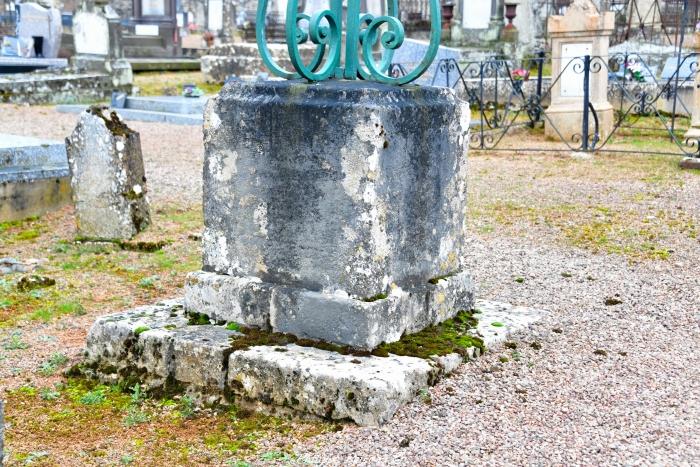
(363, 31)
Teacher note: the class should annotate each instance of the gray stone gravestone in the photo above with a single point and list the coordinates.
(412, 52)
(107, 177)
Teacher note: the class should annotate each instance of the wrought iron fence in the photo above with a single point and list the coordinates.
(511, 97)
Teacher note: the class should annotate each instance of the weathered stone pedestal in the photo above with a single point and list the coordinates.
(334, 221)
(330, 208)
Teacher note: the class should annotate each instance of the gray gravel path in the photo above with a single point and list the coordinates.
(618, 385)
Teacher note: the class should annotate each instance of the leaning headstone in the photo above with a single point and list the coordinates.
(107, 176)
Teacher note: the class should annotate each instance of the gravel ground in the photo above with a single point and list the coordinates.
(610, 384)
(172, 153)
(639, 404)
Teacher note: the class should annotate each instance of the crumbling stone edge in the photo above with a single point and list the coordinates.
(157, 347)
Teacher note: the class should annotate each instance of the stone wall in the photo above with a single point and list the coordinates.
(243, 59)
(56, 88)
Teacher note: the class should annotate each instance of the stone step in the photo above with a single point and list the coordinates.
(168, 104)
(143, 115)
(157, 345)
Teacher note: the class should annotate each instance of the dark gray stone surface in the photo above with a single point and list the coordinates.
(337, 186)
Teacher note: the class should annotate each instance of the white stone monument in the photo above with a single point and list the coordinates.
(693, 132)
(583, 30)
(35, 22)
(91, 33)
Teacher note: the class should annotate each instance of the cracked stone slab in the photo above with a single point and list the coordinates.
(512, 318)
(199, 357)
(367, 390)
(156, 345)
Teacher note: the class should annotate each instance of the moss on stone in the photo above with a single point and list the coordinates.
(374, 298)
(254, 336)
(435, 280)
(197, 319)
(148, 247)
(452, 336)
(113, 123)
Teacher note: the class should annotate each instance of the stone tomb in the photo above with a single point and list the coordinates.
(33, 177)
(334, 212)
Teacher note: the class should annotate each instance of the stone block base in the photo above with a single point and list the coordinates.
(564, 122)
(156, 346)
(690, 163)
(330, 317)
(32, 196)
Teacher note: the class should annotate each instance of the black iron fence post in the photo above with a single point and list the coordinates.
(540, 68)
(481, 105)
(624, 87)
(586, 101)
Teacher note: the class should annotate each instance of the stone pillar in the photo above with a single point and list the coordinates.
(694, 130)
(91, 38)
(334, 210)
(107, 177)
(583, 30)
(118, 66)
(493, 33)
(456, 28)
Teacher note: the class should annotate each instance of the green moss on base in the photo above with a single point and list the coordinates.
(197, 319)
(374, 298)
(435, 280)
(254, 336)
(452, 336)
